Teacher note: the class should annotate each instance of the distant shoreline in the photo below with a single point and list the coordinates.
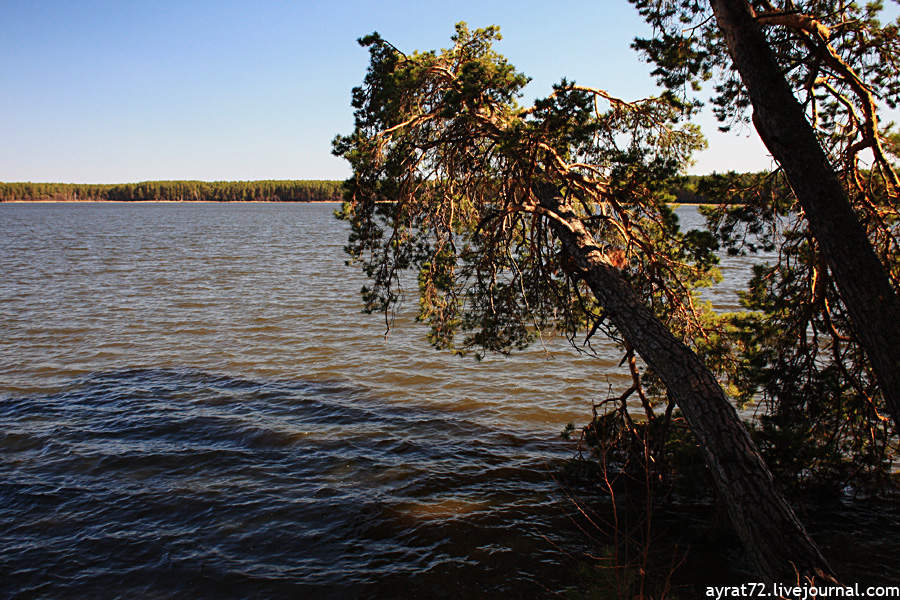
(288, 190)
(692, 190)
(228, 202)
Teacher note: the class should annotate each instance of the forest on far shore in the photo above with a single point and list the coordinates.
(691, 189)
(177, 191)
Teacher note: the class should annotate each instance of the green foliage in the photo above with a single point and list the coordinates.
(794, 353)
(820, 422)
(447, 168)
(447, 172)
(838, 57)
(179, 191)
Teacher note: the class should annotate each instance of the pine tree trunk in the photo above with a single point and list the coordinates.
(860, 277)
(765, 522)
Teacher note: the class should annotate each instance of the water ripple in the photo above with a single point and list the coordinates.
(194, 407)
(274, 485)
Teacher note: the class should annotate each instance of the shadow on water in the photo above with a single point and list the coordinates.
(157, 483)
(179, 483)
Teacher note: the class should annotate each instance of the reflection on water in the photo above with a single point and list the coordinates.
(193, 406)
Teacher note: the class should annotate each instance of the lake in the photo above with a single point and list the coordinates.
(194, 407)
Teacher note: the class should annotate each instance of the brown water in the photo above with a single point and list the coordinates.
(194, 407)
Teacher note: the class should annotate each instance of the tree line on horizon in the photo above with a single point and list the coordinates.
(691, 189)
(178, 191)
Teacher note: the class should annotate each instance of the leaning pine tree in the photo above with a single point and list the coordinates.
(528, 220)
(819, 348)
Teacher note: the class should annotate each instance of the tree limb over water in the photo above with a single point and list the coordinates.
(524, 221)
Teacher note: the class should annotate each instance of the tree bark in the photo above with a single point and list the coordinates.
(861, 279)
(765, 522)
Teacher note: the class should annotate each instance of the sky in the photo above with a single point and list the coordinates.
(124, 91)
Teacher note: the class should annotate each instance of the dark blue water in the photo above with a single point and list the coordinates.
(192, 406)
(178, 483)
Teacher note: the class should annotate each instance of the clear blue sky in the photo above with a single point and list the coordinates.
(102, 91)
